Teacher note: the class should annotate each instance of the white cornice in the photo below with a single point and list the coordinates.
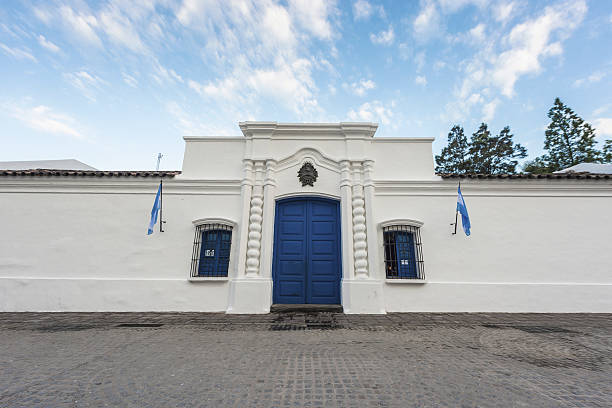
(213, 138)
(510, 188)
(342, 130)
(65, 185)
(403, 139)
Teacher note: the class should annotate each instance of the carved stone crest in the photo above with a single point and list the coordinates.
(307, 174)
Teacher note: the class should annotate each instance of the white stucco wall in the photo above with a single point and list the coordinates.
(74, 244)
(79, 243)
(536, 246)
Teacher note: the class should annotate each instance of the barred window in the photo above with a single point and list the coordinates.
(211, 250)
(403, 255)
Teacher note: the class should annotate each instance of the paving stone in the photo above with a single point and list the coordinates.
(305, 360)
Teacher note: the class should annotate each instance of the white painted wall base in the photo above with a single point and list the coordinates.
(499, 297)
(110, 295)
(363, 296)
(250, 295)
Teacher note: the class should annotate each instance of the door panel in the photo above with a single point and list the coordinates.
(306, 258)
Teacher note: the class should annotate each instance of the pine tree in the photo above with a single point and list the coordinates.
(569, 139)
(453, 158)
(494, 154)
(607, 152)
(539, 165)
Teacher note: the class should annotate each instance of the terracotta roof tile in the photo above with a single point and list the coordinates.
(88, 173)
(561, 176)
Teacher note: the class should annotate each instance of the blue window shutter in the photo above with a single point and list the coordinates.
(215, 253)
(406, 258)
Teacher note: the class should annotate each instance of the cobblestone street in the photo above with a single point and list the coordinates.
(304, 360)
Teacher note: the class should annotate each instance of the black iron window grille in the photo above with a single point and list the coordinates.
(403, 253)
(211, 250)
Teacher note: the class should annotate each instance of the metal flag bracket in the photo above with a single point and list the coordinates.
(161, 196)
(456, 214)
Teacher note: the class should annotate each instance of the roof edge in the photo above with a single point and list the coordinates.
(89, 173)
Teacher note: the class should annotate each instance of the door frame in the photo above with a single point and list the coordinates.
(312, 197)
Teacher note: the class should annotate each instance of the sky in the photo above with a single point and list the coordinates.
(114, 82)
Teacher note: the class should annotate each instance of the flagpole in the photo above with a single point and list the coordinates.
(161, 204)
(456, 213)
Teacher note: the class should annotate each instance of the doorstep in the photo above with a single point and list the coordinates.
(306, 308)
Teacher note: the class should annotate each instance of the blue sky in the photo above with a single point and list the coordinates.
(113, 82)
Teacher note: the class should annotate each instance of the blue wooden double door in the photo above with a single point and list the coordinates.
(307, 256)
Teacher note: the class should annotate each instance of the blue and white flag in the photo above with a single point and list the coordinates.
(465, 218)
(154, 211)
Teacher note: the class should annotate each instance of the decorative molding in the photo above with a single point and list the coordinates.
(401, 221)
(308, 131)
(308, 154)
(224, 221)
(307, 194)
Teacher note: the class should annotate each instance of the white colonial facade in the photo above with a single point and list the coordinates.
(370, 232)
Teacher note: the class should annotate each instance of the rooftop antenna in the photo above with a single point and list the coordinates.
(159, 157)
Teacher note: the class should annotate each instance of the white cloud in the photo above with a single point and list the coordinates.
(363, 10)
(372, 111)
(162, 74)
(427, 23)
(82, 24)
(477, 34)
(129, 80)
(420, 80)
(531, 41)
(88, 84)
(438, 65)
(488, 110)
(602, 109)
(17, 53)
(384, 37)
(277, 21)
(47, 44)
(504, 12)
(44, 119)
(594, 77)
(419, 60)
(119, 29)
(603, 126)
(452, 6)
(261, 50)
(313, 16)
(190, 124)
(360, 88)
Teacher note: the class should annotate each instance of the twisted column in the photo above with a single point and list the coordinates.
(269, 186)
(360, 252)
(255, 222)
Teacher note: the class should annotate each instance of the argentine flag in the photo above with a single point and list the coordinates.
(462, 209)
(154, 212)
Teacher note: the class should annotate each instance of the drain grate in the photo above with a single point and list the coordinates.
(140, 325)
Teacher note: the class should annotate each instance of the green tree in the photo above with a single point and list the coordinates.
(569, 139)
(607, 152)
(539, 165)
(453, 158)
(494, 154)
